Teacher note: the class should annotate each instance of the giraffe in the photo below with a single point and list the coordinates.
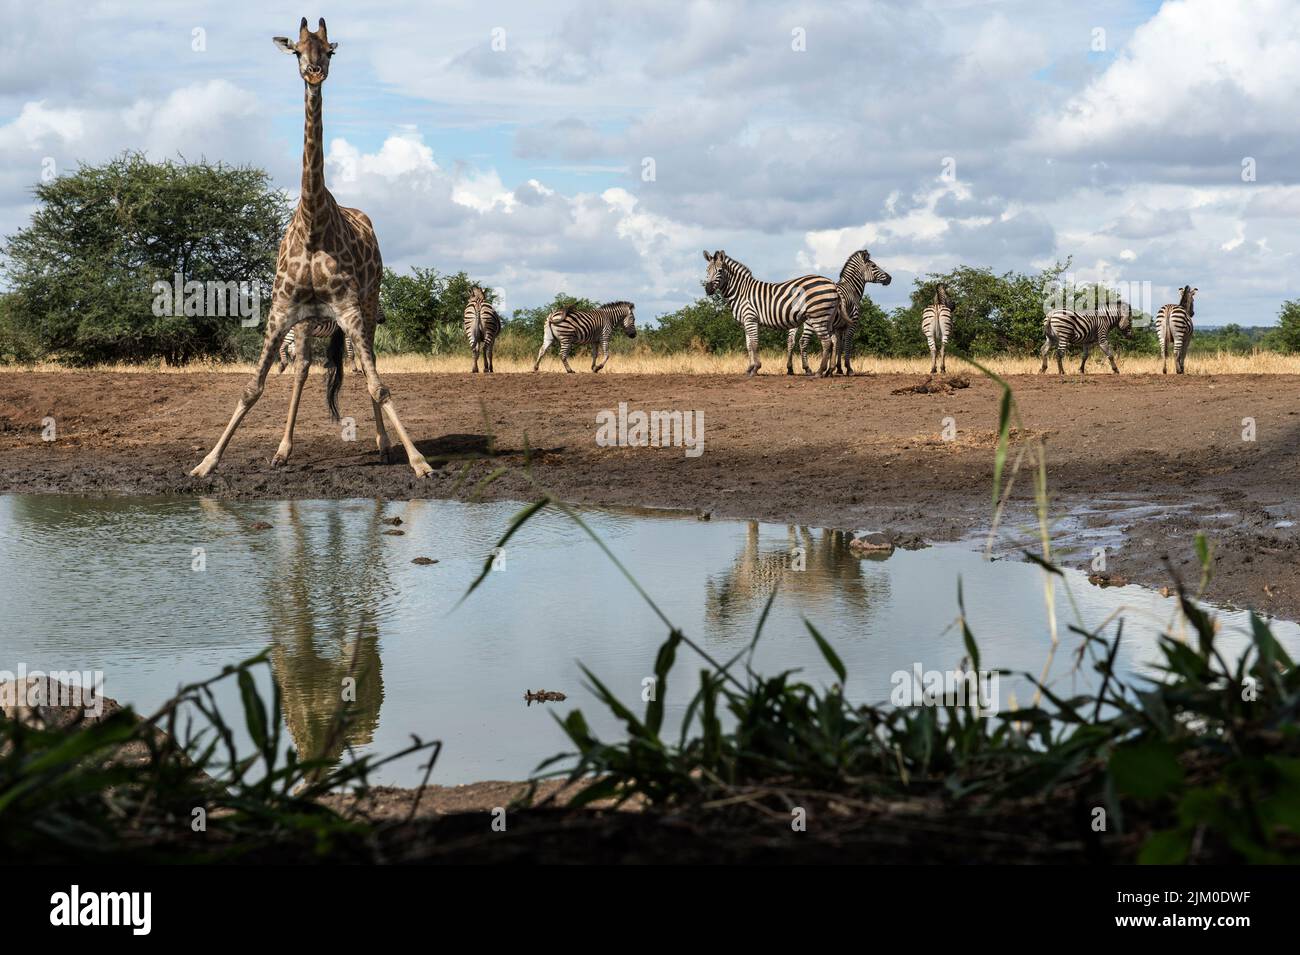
(328, 268)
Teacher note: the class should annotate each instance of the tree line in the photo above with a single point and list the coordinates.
(122, 262)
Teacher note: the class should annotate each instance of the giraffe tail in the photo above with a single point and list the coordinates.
(334, 372)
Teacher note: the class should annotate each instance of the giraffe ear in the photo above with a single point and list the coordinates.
(283, 43)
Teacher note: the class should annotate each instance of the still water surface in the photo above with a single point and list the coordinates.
(111, 584)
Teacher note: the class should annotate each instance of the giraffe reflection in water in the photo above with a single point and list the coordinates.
(322, 605)
(812, 570)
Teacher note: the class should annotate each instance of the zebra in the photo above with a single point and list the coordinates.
(316, 328)
(1174, 325)
(587, 326)
(858, 270)
(936, 323)
(482, 325)
(811, 299)
(1064, 327)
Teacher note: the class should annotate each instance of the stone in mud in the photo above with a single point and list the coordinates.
(394, 521)
(1106, 579)
(394, 533)
(423, 561)
(872, 542)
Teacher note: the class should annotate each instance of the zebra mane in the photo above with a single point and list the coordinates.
(1185, 299)
(618, 304)
(735, 266)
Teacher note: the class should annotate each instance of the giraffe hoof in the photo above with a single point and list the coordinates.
(421, 467)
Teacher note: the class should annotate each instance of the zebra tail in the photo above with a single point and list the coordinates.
(334, 372)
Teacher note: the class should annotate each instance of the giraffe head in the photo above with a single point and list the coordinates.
(313, 51)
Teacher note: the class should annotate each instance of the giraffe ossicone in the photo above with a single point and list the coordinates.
(328, 270)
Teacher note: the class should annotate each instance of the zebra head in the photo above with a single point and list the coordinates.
(1125, 313)
(719, 277)
(870, 271)
(625, 313)
(1186, 298)
(477, 296)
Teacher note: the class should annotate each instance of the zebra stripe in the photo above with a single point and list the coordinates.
(1174, 326)
(811, 299)
(592, 326)
(482, 324)
(1065, 327)
(316, 328)
(858, 270)
(936, 323)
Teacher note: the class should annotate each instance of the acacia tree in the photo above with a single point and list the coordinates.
(82, 272)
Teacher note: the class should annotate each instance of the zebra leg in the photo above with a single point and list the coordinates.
(278, 324)
(1164, 362)
(302, 365)
(1180, 354)
(1083, 365)
(1043, 353)
(548, 338)
(1110, 354)
(474, 347)
(943, 354)
(564, 356)
(285, 356)
(827, 365)
(1060, 358)
(789, 350)
(846, 349)
(595, 351)
(934, 354)
(487, 357)
(805, 339)
(751, 346)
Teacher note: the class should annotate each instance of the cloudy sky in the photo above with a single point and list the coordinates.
(597, 147)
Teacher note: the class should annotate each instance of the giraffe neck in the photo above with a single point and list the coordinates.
(312, 203)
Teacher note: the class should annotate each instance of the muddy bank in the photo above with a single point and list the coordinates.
(1138, 464)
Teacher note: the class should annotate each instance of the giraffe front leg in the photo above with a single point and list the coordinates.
(349, 319)
(277, 324)
(302, 365)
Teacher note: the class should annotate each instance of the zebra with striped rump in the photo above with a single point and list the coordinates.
(936, 324)
(575, 326)
(858, 270)
(811, 299)
(482, 324)
(316, 328)
(1064, 327)
(1174, 325)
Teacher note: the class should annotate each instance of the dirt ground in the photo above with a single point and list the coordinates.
(1138, 462)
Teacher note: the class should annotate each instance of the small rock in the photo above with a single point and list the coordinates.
(871, 541)
(394, 533)
(423, 561)
(1106, 579)
(543, 696)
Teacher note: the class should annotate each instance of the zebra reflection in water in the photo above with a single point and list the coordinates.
(830, 571)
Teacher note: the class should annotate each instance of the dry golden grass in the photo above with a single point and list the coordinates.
(692, 363)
